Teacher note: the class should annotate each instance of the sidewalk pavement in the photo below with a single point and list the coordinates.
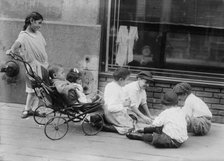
(24, 140)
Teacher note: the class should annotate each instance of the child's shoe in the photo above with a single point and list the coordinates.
(25, 114)
(135, 136)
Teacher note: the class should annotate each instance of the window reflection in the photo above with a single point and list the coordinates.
(165, 33)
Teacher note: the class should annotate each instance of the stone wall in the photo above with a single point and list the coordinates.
(72, 32)
(213, 96)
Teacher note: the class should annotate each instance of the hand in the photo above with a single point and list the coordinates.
(147, 120)
(9, 52)
(152, 117)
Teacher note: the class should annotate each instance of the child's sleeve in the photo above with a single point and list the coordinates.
(131, 93)
(187, 108)
(63, 87)
(160, 120)
(112, 99)
(81, 96)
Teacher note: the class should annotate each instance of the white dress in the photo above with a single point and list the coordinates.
(125, 41)
(114, 110)
(33, 49)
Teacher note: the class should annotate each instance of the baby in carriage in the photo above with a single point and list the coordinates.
(73, 92)
(75, 77)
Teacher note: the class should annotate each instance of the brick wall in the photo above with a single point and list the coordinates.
(213, 96)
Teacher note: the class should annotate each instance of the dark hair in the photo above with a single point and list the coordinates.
(169, 98)
(121, 73)
(73, 76)
(35, 16)
(52, 70)
(182, 88)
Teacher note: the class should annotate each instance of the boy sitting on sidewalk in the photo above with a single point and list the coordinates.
(169, 129)
(136, 91)
(197, 112)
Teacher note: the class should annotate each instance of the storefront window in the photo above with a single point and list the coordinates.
(167, 34)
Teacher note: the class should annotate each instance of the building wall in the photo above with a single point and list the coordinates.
(212, 95)
(72, 32)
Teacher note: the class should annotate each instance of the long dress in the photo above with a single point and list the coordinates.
(114, 110)
(33, 49)
(125, 41)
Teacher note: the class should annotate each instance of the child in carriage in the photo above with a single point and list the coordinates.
(72, 91)
(74, 76)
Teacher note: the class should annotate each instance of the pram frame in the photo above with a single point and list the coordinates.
(62, 111)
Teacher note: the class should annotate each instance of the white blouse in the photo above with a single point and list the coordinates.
(174, 123)
(195, 107)
(114, 97)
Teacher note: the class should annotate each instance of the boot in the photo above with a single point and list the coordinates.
(95, 118)
(109, 128)
(153, 129)
(135, 136)
(148, 138)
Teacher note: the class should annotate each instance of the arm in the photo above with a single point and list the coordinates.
(141, 115)
(15, 48)
(160, 119)
(81, 96)
(146, 108)
(139, 98)
(112, 99)
(187, 108)
(63, 86)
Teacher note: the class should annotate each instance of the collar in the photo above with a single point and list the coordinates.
(138, 86)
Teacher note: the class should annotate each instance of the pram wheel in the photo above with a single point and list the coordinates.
(45, 114)
(56, 128)
(92, 128)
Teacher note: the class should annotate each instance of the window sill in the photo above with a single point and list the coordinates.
(210, 82)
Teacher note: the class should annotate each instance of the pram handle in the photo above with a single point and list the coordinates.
(29, 70)
(27, 66)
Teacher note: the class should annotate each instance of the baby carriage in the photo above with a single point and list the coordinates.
(54, 111)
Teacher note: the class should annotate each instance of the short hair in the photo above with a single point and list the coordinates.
(121, 73)
(53, 69)
(73, 76)
(169, 98)
(182, 88)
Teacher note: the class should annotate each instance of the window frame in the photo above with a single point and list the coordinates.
(161, 68)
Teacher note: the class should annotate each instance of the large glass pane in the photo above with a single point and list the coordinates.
(167, 34)
(192, 49)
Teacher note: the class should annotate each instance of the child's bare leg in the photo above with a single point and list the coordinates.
(29, 101)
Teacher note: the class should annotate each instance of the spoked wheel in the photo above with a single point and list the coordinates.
(44, 114)
(56, 128)
(92, 128)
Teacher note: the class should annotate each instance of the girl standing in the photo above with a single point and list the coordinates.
(31, 44)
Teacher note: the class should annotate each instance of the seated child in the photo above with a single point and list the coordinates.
(75, 77)
(197, 112)
(66, 88)
(169, 129)
(116, 103)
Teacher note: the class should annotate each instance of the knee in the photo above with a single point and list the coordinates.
(200, 130)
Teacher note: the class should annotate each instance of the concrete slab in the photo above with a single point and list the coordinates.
(23, 139)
